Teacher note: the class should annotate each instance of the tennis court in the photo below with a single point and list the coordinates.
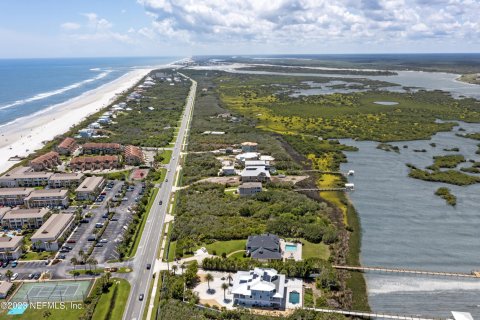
(52, 291)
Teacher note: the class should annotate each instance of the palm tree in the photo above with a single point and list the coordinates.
(182, 266)
(8, 274)
(74, 262)
(209, 278)
(75, 274)
(229, 277)
(94, 262)
(174, 268)
(89, 262)
(224, 287)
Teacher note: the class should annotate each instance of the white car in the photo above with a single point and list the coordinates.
(103, 241)
(15, 276)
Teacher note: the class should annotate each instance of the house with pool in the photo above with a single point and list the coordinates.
(267, 247)
(266, 288)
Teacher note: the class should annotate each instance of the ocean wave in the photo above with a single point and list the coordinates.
(48, 94)
(385, 286)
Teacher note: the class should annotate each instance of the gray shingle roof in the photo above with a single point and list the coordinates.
(265, 246)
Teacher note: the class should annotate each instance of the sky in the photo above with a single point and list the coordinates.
(91, 28)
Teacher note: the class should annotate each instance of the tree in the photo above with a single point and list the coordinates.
(174, 268)
(46, 314)
(224, 287)
(74, 262)
(75, 274)
(182, 266)
(9, 274)
(209, 278)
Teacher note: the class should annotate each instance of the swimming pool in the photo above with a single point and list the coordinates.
(19, 309)
(294, 297)
(290, 247)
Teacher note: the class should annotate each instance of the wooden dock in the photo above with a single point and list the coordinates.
(372, 315)
(321, 189)
(473, 275)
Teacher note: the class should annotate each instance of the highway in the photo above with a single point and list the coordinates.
(141, 278)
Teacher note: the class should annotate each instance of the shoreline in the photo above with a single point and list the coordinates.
(24, 135)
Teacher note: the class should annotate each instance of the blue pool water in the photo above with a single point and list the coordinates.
(17, 310)
(294, 297)
(290, 247)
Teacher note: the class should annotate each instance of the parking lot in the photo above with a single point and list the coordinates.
(83, 236)
(24, 269)
(113, 234)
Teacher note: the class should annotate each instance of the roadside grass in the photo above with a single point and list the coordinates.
(112, 304)
(171, 251)
(167, 155)
(138, 235)
(315, 250)
(159, 175)
(98, 270)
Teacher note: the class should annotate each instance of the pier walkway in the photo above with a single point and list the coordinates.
(321, 189)
(475, 275)
(372, 315)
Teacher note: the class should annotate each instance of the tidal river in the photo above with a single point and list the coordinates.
(405, 225)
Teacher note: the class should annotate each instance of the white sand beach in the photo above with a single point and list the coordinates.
(27, 134)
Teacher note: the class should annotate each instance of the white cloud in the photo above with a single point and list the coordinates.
(70, 26)
(99, 29)
(311, 21)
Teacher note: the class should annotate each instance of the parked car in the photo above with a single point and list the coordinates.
(161, 202)
(30, 276)
(36, 275)
(105, 215)
(71, 241)
(98, 225)
(99, 245)
(92, 238)
(14, 263)
(15, 276)
(114, 219)
(103, 241)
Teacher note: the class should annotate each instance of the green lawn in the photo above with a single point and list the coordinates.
(44, 255)
(112, 304)
(138, 234)
(226, 246)
(171, 250)
(317, 250)
(56, 314)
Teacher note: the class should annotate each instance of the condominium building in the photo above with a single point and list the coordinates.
(66, 180)
(67, 146)
(45, 161)
(94, 163)
(11, 247)
(24, 177)
(90, 188)
(32, 218)
(133, 155)
(53, 232)
(102, 148)
(47, 198)
(14, 196)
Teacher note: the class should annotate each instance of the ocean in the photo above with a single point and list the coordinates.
(30, 86)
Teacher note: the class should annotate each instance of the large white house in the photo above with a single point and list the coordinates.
(259, 288)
